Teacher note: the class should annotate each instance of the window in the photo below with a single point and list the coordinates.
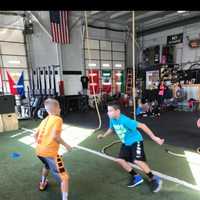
(93, 44)
(118, 56)
(94, 54)
(92, 64)
(106, 64)
(11, 35)
(105, 45)
(13, 57)
(118, 46)
(106, 55)
(12, 48)
(14, 61)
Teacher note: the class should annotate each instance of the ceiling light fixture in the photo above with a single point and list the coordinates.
(181, 11)
(14, 61)
(92, 64)
(106, 65)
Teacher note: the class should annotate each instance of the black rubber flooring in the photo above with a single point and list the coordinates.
(178, 128)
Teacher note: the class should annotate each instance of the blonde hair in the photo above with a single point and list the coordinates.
(50, 104)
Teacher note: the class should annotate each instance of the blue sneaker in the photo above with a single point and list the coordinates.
(156, 184)
(135, 180)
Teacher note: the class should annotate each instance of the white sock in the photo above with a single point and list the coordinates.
(64, 195)
(43, 179)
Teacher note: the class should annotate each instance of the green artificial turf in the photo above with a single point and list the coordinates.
(91, 177)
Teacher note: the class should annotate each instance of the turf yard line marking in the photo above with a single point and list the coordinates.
(18, 134)
(25, 131)
(28, 130)
(166, 177)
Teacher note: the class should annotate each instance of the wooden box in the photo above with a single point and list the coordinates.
(10, 122)
(1, 124)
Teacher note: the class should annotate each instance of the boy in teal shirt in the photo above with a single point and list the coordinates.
(132, 149)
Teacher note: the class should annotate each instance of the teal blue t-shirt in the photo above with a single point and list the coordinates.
(126, 129)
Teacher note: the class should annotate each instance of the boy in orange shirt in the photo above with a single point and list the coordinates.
(48, 139)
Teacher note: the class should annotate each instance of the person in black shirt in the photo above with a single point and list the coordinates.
(84, 81)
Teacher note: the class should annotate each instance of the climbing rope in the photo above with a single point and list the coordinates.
(92, 79)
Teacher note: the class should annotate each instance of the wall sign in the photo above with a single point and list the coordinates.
(175, 39)
(106, 81)
(118, 81)
(95, 83)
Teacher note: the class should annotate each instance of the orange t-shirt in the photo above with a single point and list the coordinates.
(46, 145)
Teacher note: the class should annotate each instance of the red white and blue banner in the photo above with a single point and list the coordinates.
(16, 89)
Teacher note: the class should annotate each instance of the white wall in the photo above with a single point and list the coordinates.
(43, 51)
(71, 53)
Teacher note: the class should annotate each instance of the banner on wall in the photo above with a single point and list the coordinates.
(122, 81)
(16, 89)
(95, 74)
(175, 39)
(20, 85)
(106, 81)
(119, 81)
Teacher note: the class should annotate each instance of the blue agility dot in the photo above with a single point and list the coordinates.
(15, 155)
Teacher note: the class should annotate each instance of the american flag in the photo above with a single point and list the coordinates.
(60, 26)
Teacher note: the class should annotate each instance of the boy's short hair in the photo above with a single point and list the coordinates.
(49, 102)
(115, 105)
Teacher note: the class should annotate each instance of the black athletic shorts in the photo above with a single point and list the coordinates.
(132, 152)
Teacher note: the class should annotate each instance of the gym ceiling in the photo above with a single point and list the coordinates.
(146, 22)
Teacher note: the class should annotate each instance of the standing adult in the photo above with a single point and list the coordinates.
(84, 81)
(161, 93)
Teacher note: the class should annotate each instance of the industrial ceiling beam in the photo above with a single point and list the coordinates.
(165, 19)
(12, 13)
(164, 27)
(91, 21)
(94, 12)
(151, 14)
(35, 18)
(119, 14)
